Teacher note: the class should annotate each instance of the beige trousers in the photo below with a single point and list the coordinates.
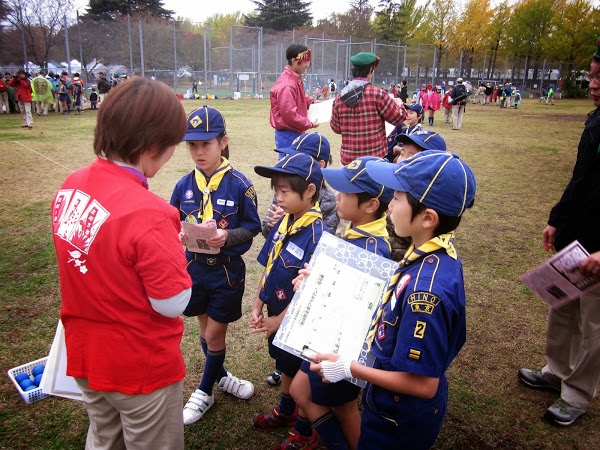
(135, 422)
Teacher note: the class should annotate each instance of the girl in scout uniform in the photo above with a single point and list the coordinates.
(215, 191)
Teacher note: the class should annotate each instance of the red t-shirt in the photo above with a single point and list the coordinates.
(117, 244)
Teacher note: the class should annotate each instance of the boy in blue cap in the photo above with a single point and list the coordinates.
(215, 191)
(414, 117)
(296, 180)
(420, 325)
(317, 146)
(411, 144)
(333, 408)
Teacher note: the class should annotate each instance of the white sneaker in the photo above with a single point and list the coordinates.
(197, 406)
(233, 385)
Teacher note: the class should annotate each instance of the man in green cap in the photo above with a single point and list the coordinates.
(361, 110)
(573, 339)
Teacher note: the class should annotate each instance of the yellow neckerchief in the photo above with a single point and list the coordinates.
(211, 186)
(445, 241)
(284, 231)
(377, 228)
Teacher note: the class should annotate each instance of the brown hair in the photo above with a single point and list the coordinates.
(138, 115)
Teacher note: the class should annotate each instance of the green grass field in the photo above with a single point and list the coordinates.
(522, 160)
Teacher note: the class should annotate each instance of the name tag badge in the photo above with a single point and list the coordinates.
(220, 202)
(229, 202)
(295, 250)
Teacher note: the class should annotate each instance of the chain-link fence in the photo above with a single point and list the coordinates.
(248, 60)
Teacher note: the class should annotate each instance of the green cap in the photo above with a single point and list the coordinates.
(364, 59)
(597, 54)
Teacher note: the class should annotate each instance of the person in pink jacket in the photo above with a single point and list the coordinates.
(23, 96)
(447, 107)
(289, 102)
(433, 102)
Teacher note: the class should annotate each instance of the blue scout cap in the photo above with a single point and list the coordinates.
(426, 139)
(354, 179)
(300, 164)
(416, 107)
(313, 144)
(439, 180)
(204, 124)
(364, 59)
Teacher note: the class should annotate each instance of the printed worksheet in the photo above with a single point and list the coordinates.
(333, 310)
(197, 234)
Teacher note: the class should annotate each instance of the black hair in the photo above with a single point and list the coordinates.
(365, 197)
(361, 71)
(225, 151)
(446, 223)
(297, 184)
(293, 51)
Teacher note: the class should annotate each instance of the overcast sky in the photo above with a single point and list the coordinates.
(200, 11)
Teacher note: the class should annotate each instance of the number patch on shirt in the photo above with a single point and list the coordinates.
(420, 329)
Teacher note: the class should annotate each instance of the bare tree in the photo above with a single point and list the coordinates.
(41, 22)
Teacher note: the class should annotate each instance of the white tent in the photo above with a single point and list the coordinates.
(94, 67)
(74, 66)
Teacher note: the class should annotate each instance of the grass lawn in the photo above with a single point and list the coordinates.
(522, 160)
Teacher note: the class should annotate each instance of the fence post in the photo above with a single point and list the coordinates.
(66, 46)
(130, 51)
(434, 74)
(175, 54)
(205, 73)
(141, 48)
(231, 57)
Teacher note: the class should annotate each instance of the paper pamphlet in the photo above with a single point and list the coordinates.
(559, 281)
(320, 112)
(55, 380)
(197, 233)
(332, 311)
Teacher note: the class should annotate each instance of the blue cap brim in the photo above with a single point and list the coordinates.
(200, 135)
(340, 182)
(385, 173)
(289, 151)
(269, 171)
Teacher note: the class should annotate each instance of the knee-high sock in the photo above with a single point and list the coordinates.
(204, 345)
(287, 405)
(212, 368)
(303, 426)
(330, 431)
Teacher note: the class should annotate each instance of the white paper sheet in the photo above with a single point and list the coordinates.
(55, 380)
(320, 112)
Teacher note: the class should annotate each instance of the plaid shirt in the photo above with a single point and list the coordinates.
(363, 127)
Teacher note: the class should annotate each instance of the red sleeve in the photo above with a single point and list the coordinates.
(161, 262)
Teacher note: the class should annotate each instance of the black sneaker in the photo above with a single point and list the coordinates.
(534, 379)
(274, 378)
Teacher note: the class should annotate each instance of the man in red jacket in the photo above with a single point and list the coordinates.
(289, 102)
(22, 86)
